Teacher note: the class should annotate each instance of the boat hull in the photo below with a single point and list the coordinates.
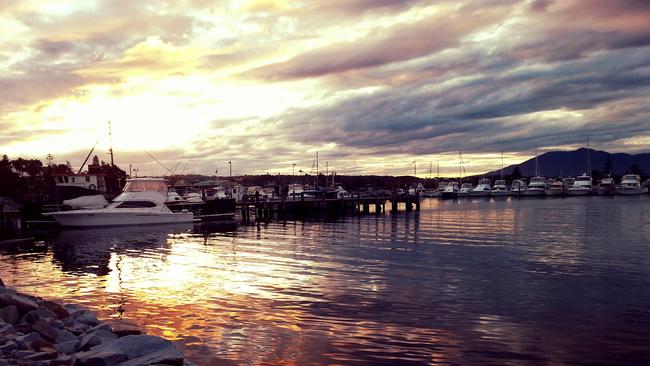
(606, 191)
(629, 191)
(99, 219)
(579, 192)
(448, 195)
(554, 192)
(480, 194)
(534, 193)
(499, 193)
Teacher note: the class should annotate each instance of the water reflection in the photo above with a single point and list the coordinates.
(464, 282)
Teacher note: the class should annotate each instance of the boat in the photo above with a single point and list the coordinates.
(499, 188)
(556, 188)
(518, 187)
(482, 189)
(537, 184)
(567, 183)
(536, 187)
(295, 190)
(606, 187)
(450, 191)
(630, 185)
(141, 202)
(582, 186)
(465, 190)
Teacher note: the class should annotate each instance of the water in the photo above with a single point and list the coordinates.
(550, 281)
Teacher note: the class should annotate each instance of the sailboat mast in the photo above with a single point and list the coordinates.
(501, 164)
(588, 158)
(460, 167)
(110, 142)
(316, 184)
(536, 163)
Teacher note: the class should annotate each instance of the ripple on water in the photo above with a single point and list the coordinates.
(475, 281)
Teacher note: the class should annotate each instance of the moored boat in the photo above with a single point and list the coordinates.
(582, 186)
(556, 188)
(450, 191)
(536, 187)
(606, 187)
(482, 189)
(630, 185)
(500, 188)
(141, 202)
(518, 187)
(465, 189)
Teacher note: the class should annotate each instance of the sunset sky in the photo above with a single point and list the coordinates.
(372, 85)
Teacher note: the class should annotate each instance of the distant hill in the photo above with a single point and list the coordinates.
(572, 163)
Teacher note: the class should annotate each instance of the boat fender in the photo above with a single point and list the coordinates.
(92, 186)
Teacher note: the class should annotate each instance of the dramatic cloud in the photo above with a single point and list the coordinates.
(371, 85)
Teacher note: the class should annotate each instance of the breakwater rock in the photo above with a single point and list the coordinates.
(34, 331)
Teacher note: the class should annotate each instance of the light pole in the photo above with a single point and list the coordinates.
(415, 169)
(230, 169)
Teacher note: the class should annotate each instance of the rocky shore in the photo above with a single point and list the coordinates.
(34, 331)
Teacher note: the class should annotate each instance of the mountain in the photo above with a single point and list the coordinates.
(573, 163)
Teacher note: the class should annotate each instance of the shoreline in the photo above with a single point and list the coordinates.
(36, 331)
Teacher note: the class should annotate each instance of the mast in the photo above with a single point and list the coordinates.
(316, 184)
(460, 167)
(588, 158)
(536, 163)
(501, 164)
(110, 142)
(437, 169)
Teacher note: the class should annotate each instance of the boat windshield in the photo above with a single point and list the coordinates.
(583, 179)
(537, 180)
(631, 177)
(500, 183)
(146, 186)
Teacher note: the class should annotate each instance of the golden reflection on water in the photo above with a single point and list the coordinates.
(415, 287)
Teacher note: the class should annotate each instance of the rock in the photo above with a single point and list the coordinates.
(41, 345)
(77, 328)
(100, 356)
(8, 347)
(23, 303)
(87, 318)
(2, 284)
(62, 361)
(6, 329)
(68, 347)
(167, 356)
(34, 315)
(96, 338)
(55, 308)
(44, 328)
(65, 336)
(22, 354)
(40, 356)
(123, 328)
(10, 314)
(26, 340)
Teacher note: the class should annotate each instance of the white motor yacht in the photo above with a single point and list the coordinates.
(450, 191)
(556, 188)
(518, 187)
(582, 186)
(141, 202)
(482, 189)
(630, 184)
(465, 189)
(536, 187)
(499, 188)
(295, 190)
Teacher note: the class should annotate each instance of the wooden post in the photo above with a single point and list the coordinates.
(417, 201)
(393, 201)
(409, 205)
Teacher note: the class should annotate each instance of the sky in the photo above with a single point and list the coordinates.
(374, 86)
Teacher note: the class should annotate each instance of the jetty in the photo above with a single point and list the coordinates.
(302, 206)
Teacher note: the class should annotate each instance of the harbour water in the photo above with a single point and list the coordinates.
(476, 281)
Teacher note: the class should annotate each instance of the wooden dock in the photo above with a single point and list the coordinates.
(301, 206)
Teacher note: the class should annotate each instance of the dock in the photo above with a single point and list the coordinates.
(301, 206)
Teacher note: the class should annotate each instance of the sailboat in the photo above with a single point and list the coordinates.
(500, 188)
(537, 184)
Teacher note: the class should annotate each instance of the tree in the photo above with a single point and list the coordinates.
(8, 179)
(635, 169)
(95, 160)
(516, 173)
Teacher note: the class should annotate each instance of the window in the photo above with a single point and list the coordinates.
(87, 179)
(72, 179)
(66, 178)
(136, 204)
(60, 179)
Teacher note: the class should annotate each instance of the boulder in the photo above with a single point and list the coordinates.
(26, 340)
(96, 338)
(123, 328)
(44, 328)
(10, 314)
(68, 347)
(77, 328)
(24, 304)
(166, 356)
(8, 347)
(55, 308)
(41, 356)
(87, 318)
(100, 356)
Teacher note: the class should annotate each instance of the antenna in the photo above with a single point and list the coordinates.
(501, 164)
(110, 143)
(588, 158)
